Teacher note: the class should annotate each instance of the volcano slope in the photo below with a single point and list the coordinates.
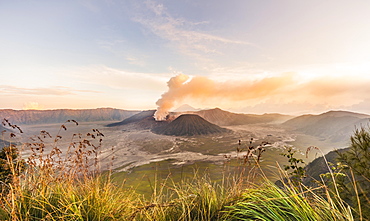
(135, 118)
(141, 121)
(189, 125)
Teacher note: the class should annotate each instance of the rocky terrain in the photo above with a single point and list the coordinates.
(137, 139)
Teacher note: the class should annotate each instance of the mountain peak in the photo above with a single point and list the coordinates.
(218, 109)
(185, 108)
(342, 113)
(189, 125)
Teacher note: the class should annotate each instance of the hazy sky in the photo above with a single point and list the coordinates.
(251, 56)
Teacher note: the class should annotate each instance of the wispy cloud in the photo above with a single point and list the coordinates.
(54, 91)
(119, 79)
(89, 5)
(181, 34)
(119, 48)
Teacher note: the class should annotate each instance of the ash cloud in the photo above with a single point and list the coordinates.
(182, 87)
(287, 93)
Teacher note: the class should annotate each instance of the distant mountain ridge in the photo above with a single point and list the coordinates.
(334, 125)
(189, 125)
(226, 118)
(185, 108)
(61, 115)
(145, 119)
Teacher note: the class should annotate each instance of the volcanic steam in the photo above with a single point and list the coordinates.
(182, 86)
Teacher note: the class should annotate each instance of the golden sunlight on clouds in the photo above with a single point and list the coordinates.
(32, 106)
(203, 88)
(287, 88)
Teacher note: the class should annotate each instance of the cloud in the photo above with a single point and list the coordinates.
(118, 79)
(32, 106)
(183, 34)
(54, 91)
(363, 106)
(6, 89)
(89, 5)
(183, 87)
(119, 47)
(158, 9)
(282, 93)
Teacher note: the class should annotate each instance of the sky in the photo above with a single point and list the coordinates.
(250, 56)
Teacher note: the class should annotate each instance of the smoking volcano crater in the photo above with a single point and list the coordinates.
(189, 125)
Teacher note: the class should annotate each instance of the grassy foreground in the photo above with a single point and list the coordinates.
(40, 196)
(63, 186)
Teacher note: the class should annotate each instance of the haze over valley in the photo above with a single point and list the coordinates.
(134, 138)
(285, 73)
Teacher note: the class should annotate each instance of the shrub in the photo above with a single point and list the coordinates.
(355, 164)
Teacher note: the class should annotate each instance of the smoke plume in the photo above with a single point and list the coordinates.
(182, 86)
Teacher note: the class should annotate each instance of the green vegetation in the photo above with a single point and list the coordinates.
(353, 171)
(69, 186)
(10, 164)
(270, 202)
(295, 166)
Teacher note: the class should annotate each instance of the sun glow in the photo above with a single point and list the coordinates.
(32, 106)
(336, 70)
